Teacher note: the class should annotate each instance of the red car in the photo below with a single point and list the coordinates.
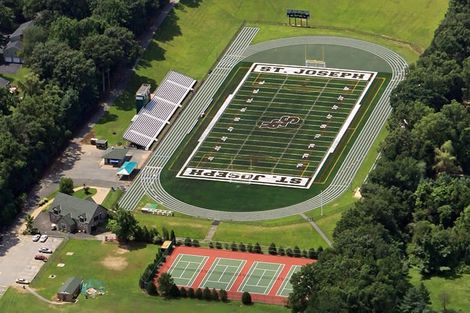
(41, 257)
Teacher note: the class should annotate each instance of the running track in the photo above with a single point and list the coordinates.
(148, 181)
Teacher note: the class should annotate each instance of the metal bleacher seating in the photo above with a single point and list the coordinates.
(153, 117)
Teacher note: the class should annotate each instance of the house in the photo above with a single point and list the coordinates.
(15, 45)
(116, 156)
(70, 289)
(72, 214)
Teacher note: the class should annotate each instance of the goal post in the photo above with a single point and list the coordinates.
(315, 63)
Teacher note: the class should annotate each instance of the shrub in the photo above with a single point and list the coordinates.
(234, 246)
(211, 245)
(281, 251)
(242, 247)
(165, 234)
(223, 295)
(215, 295)
(174, 291)
(319, 251)
(246, 298)
(206, 294)
(304, 253)
(151, 289)
(191, 293)
(289, 252)
(66, 185)
(257, 248)
(226, 247)
(183, 292)
(198, 294)
(218, 245)
(250, 248)
(196, 243)
(188, 242)
(272, 249)
(297, 252)
(312, 254)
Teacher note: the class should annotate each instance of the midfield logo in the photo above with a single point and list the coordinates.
(281, 122)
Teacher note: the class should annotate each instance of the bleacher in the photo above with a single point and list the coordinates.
(153, 117)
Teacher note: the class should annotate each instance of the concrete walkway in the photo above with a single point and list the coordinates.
(317, 228)
(212, 230)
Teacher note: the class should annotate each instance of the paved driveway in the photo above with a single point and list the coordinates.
(17, 258)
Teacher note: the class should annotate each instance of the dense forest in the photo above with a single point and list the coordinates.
(415, 209)
(72, 49)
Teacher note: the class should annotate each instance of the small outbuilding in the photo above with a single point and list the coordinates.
(70, 289)
(101, 144)
(127, 168)
(116, 156)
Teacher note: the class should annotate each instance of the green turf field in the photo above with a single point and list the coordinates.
(278, 125)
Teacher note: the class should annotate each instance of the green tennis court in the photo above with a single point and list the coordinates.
(286, 287)
(186, 267)
(261, 277)
(223, 273)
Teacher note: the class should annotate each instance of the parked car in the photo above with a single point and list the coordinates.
(45, 250)
(43, 238)
(41, 257)
(36, 237)
(22, 281)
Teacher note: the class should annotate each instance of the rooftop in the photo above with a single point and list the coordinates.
(76, 208)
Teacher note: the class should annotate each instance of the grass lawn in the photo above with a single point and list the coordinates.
(18, 76)
(92, 259)
(183, 225)
(287, 232)
(457, 288)
(181, 45)
(84, 195)
(112, 198)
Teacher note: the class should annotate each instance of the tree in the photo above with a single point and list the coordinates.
(187, 242)
(234, 246)
(198, 293)
(195, 243)
(416, 300)
(215, 294)
(246, 298)
(66, 185)
(272, 249)
(242, 247)
(123, 224)
(191, 293)
(183, 292)
(446, 160)
(151, 289)
(29, 224)
(223, 295)
(297, 252)
(257, 248)
(165, 284)
(172, 236)
(206, 294)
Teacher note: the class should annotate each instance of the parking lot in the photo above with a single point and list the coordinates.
(17, 258)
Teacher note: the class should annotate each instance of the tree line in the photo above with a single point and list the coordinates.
(415, 206)
(73, 49)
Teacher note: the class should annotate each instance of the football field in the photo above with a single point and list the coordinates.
(279, 126)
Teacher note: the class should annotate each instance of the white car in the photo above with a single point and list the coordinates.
(45, 250)
(22, 281)
(36, 238)
(43, 238)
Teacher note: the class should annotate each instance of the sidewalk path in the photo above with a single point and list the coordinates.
(317, 228)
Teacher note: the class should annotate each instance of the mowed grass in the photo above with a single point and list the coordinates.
(112, 198)
(183, 225)
(194, 35)
(287, 232)
(457, 289)
(123, 294)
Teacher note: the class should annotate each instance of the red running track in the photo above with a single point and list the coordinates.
(250, 258)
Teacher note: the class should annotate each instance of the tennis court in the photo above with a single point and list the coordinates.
(186, 267)
(286, 287)
(223, 273)
(261, 277)
(266, 277)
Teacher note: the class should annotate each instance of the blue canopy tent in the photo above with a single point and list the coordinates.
(127, 168)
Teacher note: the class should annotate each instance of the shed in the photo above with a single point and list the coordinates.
(70, 289)
(116, 156)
